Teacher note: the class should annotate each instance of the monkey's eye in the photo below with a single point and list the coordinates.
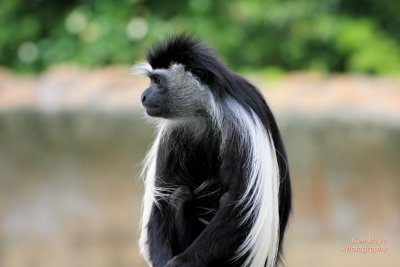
(156, 79)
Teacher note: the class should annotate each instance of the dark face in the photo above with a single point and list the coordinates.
(154, 98)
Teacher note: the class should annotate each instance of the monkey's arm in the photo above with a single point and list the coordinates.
(172, 230)
(218, 241)
(159, 229)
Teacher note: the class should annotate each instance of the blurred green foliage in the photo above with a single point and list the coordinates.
(328, 35)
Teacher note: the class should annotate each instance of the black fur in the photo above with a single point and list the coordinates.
(176, 237)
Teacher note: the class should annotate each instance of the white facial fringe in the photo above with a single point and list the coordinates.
(141, 68)
(261, 194)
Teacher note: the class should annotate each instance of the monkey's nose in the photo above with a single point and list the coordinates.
(143, 97)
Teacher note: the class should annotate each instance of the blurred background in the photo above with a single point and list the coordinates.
(73, 134)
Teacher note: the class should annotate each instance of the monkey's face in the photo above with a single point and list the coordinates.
(154, 98)
(174, 94)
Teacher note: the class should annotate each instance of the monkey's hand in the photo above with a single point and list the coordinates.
(182, 261)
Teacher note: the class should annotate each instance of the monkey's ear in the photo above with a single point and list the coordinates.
(203, 75)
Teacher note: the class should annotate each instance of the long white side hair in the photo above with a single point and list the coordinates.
(259, 202)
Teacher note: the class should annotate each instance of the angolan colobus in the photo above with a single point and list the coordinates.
(217, 186)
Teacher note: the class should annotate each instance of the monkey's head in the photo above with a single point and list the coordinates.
(173, 93)
(181, 72)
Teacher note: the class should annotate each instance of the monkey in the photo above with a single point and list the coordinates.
(217, 182)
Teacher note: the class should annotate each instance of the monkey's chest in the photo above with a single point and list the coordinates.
(189, 164)
(198, 169)
(201, 175)
(195, 165)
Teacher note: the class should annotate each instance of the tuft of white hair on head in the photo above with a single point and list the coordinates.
(259, 203)
(141, 68)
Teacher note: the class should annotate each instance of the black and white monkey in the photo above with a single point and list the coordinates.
(217, 186)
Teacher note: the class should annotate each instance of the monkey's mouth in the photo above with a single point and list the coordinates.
(153, 110)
